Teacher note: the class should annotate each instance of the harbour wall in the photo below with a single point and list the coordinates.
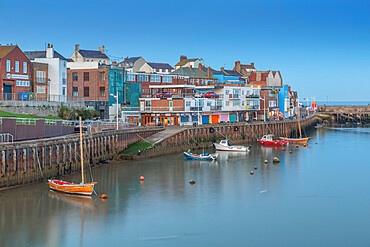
(32, 161)
(204, 136)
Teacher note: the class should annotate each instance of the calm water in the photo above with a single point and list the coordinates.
(317, 196)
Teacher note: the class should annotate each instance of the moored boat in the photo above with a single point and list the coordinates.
(302, 140)
(206, 156)
(73, 188)
(268, 140)
(224, 145)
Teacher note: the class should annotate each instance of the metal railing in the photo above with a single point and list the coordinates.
(29, 96)
(6, 137)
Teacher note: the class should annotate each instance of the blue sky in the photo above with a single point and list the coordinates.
(322, 48)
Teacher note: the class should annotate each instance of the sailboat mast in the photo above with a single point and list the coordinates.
(299, 123)
(82, 156)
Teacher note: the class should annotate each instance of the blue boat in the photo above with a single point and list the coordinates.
(205, 156)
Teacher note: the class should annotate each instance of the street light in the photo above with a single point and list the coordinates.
(116, 97)
(264, 110)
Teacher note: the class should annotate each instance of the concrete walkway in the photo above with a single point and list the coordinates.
(160, 136)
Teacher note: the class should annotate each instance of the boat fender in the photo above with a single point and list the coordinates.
(211, 130)
(236, 128)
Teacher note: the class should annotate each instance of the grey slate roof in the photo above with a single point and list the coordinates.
(192, 73)
(213, 72)
(160, 66)
(41, 54)
(131, 60)
(232, 73)
(92, 54)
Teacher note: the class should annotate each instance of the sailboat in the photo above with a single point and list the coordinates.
(300, 140)
(72, 188)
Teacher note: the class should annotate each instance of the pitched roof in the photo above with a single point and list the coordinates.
(232, 73)
(213, 72)
(160, 66)
(92, 54)
(192, 73)
(247, 66)
(41, 54)
(185, 61)
(4, 50)
(131, 59)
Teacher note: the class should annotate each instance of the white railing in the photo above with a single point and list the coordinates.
(6, 137)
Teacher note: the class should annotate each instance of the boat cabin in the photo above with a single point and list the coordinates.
(267, 137)
(225, 143)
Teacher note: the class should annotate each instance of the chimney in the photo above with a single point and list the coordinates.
(49, 51)
(209, 71)
(126, 58)
(101, 49)
(191, 66)
(252, 64)
(237, 66)
(51, 46)
(114, 62)
(77, 47)
(200, 66)
(183, 57)
(222, 69)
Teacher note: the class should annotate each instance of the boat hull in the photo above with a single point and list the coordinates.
(295, 140)
(193, 157)
(273, 143)
(220, 147)
(71, 188)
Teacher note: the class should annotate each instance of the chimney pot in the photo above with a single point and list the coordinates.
(191, 67)
(48, 45)
(222, 68)
(200, 66)
(183, 57)
(51, 46)
(77, 47)
(252, 64)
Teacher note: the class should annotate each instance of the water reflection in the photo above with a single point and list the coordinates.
(225, 205)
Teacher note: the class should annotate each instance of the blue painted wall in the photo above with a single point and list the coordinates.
(283, 94)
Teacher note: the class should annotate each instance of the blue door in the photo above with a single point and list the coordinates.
(205, 119)
(232, 117)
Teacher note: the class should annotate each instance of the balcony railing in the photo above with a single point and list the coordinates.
(216, 108)
(252, 96)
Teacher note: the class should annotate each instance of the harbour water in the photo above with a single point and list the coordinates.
(316, 196)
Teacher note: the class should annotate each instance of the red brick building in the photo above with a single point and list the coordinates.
(14, 73)
(39, 80)
(92, 85)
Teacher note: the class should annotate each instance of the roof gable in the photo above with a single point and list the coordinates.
(4, 50)
(192, 73)
(185, 61)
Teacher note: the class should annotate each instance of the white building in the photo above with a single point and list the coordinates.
(90, 56)
(57, 88)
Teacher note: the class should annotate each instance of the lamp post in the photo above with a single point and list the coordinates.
(264, 110)
(116, 97)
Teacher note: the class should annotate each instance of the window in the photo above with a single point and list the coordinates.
(155, 78)
(23, 83)
(101, 76)
(86, 92)
(102, 91)
(86, 76)
(142, 77)
(7, 65)
(24, 67)
(187, 103)
(236, 102)
(201, 102)
(242, 92)
(64, 79)
(227, 103)
(16, 66)
(75, 92)
(209, 103)
(226, 91)
(167, 78)
(40, 76)
(272, 103)
(130, 77)
(64, 91)
(75, 76)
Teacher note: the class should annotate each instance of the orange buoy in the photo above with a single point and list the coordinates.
(142, 178)
(192, 181)
(255, 167)
(104, 196)
(290, 151)
(251, 172)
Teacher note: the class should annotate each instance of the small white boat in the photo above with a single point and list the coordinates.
(224, 145)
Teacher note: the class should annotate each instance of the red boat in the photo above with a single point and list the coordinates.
(267, 140)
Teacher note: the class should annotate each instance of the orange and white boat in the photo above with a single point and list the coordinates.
(296, 140)
(72, 188)
(300, 140)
